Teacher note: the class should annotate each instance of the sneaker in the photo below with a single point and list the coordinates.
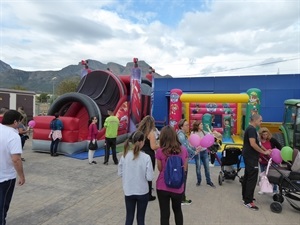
(260, 193)
(251, 206)
(254, 200)
(94, 162)
(211, 184)
(198, 184)
(186, 202)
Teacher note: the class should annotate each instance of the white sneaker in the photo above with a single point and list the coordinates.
(260, 193)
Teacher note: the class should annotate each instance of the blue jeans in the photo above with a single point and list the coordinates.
(202, 158)
(141, 202)
(6, 193)
(53, 146)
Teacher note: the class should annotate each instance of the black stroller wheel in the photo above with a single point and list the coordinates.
(278, 198)
(276, 207)
(220, 179)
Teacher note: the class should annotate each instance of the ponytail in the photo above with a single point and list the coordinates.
(135, 138)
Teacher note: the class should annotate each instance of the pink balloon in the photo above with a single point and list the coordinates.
(194, 140)
(31, 123)
(276, 156)
(207, 141)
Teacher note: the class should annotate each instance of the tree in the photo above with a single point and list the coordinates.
(68, 85)
(43, 97)
(19, 87)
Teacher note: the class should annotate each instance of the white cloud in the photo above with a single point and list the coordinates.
(211, 36)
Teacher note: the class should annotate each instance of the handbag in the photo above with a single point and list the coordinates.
(264, 184)
(93, 145)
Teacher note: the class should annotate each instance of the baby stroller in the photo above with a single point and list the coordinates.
(231, 156)
(288, 181)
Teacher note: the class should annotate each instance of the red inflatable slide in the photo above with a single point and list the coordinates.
(96, 92)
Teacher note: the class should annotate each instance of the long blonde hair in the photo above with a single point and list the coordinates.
(265, 130)
(146, 125)
(135, 138)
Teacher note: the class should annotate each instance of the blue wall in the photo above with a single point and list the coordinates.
(274, 88)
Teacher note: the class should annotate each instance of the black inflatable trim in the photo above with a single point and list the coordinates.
(85, 100)
(146, 81)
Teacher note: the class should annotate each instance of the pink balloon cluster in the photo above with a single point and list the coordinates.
(31, 123)
(207, 141)
(195, 140)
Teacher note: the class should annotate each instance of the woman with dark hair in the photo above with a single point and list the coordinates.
(147, 127)
(169, 145)
(202, 156)
(56, 127)
(92, 137)
(136, 170)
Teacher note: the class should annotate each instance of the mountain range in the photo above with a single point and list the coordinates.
(41, 81)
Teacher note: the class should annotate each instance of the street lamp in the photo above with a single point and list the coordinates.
(53, 80)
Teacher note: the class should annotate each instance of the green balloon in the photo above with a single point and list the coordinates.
(287, 153)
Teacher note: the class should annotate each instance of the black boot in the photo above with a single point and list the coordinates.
(151, 197)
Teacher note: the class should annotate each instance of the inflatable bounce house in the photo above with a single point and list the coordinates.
(225, 113)
(98, 91)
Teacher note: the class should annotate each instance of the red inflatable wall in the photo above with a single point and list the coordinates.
(70, 132)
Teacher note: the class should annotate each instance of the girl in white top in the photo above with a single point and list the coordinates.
(135, 168)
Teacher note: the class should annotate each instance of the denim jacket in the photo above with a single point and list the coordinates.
(184, 142)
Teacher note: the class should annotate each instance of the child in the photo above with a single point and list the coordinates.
(135, 168)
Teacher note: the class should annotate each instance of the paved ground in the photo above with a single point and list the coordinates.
(65, 191)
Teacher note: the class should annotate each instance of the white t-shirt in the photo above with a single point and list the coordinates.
(10, 144)
(135, 173)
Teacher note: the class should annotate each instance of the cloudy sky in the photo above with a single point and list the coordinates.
(184, 38)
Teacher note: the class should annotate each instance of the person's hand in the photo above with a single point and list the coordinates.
(268, 152)
(21, 181)
(198, 149)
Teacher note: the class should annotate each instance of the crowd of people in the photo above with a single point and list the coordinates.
(142, 153)
(257, 145)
